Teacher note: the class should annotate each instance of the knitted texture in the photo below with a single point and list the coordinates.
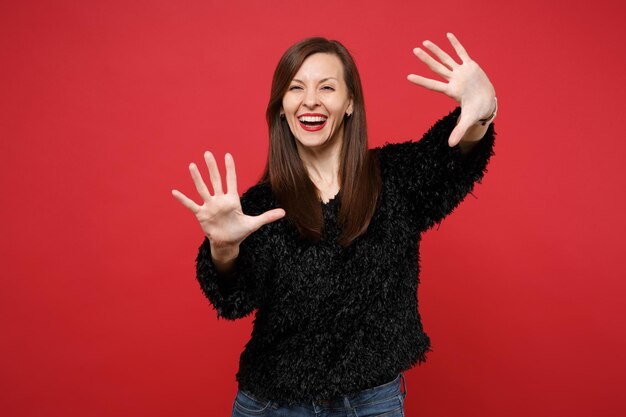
(330, 320)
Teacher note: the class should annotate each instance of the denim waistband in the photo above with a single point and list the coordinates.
(380, 392)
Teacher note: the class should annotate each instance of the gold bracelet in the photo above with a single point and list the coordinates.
(492, 116)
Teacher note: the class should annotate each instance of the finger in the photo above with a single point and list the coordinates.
(268, 217)
(459, 131)
(231, 174)
(214, 173)
(435, 66)
(455, 137)
(442, 55)
(187, 202)
(458, 48)
(427, 83)
(199, 182)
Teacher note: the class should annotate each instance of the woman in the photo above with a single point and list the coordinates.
(325, 246)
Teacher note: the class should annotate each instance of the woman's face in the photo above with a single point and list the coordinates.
(317, 101)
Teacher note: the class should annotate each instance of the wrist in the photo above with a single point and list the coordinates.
(491, 116)
(224, 254)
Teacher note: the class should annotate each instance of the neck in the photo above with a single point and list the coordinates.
(322, 163)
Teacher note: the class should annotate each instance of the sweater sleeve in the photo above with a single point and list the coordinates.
(237, 294)
(432, 176)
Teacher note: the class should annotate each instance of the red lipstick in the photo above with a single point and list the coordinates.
(313, 128)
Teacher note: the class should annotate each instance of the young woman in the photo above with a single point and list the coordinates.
(325, 247)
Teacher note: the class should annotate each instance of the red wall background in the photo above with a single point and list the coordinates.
(104, 104)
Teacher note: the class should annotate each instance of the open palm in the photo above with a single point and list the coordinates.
(467, 84)
(220, 216)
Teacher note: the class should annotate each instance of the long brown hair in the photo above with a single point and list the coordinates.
(359, 171)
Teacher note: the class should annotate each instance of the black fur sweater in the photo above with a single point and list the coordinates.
(329, 320)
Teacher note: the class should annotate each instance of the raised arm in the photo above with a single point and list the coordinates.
(435, 174)
(432, 177)
(233, 259)
(237, 291)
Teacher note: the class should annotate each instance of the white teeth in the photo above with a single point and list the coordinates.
(312, 118)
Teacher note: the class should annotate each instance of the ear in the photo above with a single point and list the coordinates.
(350, 108)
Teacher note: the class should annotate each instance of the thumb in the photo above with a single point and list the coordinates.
(269, 217)
(459, 131)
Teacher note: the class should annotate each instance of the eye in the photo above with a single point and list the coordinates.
(294, 87)
(328, 88)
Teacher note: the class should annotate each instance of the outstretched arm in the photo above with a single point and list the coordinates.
(435, 174)
(234, 258)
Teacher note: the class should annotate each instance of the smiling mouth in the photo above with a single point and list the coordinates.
(312, 123)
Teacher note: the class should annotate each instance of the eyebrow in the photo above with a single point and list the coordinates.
(321, 81)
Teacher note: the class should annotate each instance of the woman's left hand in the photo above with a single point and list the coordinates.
(467, 84)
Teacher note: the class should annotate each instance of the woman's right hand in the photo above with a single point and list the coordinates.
(220, 216)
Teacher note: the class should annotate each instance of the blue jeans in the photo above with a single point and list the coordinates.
(385, 400)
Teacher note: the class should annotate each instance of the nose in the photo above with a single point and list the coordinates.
(310, 98)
